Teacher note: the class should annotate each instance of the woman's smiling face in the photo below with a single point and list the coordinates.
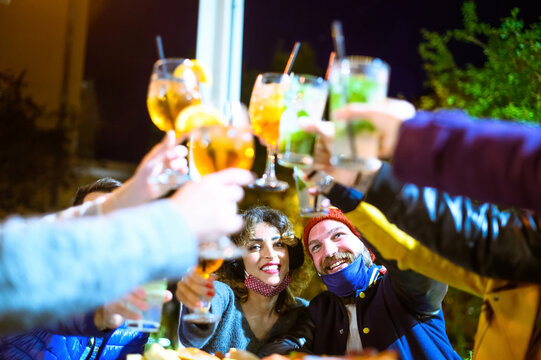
(268, 257)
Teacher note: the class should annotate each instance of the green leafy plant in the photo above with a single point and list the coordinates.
(506, 86)
(34, 161)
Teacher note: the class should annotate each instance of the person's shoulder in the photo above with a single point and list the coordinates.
(323, 297)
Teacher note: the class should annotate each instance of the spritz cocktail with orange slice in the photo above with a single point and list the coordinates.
(266, 108)
(175, 86)
(174, 103)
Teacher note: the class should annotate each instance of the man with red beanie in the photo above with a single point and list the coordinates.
(394, 309)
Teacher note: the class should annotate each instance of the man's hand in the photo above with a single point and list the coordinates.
(322, 151)
(210, 205)
(387, 117)
(112, 315)
(142, 187)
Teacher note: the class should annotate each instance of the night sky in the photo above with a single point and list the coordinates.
(121, 48)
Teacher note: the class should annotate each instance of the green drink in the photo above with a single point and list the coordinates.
(305, 99)
(356, 79)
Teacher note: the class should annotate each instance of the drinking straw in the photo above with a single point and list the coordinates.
(340, 48)
(338, 38)
(327, 72)
(329, 65)
(292, 57)
(159, 46)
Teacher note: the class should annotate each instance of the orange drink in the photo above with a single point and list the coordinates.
(167, 98)
(206, 266)
(266, 108)
(216, 148)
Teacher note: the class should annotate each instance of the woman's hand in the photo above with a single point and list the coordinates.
(193, 288)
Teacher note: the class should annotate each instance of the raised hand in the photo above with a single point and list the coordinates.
(142, 187)
(112, 315)
(210, 205)
(193, 288)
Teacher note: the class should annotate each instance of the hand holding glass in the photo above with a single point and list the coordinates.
(216, 148)
(151, 317)
(173, 86)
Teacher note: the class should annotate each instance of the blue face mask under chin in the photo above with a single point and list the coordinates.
(352, 279)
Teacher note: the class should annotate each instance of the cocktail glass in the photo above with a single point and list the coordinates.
(266, 108)
(216, 148)
(304, 99)
(173, 86)
(356, 79)
(309, 205)
(151, 317)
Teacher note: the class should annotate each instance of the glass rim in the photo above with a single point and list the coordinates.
(171, 60)
(312, 78)
(363, 60)
(273, 75)
(167, 65)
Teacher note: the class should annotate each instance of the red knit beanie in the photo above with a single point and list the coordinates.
(334, 214)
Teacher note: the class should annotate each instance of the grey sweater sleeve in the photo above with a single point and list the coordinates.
(198, 335)
(49, 271)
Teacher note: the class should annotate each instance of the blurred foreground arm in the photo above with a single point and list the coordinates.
(491, 161)
(141, 187)
(51, 270)
(488, 160)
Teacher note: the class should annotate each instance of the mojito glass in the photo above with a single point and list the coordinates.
(305, 98)
(356, 79)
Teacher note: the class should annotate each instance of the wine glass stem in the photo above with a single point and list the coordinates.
(270, 173)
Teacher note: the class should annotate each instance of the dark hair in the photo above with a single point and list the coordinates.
(232, 272)
(104, 185)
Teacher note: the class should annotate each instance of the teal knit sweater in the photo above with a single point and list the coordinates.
(232, 330)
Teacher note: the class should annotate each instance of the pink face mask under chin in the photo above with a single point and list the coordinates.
(261, 288)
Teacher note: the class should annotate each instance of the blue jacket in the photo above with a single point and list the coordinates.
(69, 341)
(384, 322)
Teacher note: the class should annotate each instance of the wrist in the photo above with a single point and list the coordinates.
(98, 320)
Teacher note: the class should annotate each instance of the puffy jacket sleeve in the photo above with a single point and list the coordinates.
(81, 325)
(492, 161)
(478, 237)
